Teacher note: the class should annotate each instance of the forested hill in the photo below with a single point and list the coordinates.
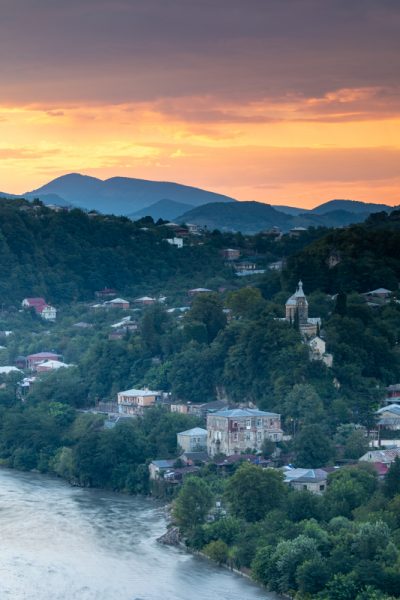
(359, 258)
(67, 256)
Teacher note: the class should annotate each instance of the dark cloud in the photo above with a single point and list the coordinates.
(130, 50)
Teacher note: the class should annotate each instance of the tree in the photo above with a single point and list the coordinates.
(392, 480)
(207, 309)
(217, 550)
(192, 504)
(303, 404)
(341, 304)
(313, 447)
(347, 489)
(245, 302)
(252, 491)
(312, 575)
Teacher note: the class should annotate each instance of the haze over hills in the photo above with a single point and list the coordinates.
(163, 209)
(251, 217)
(122, 195)
(137, 198)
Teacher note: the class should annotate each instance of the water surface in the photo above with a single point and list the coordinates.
(64, 543)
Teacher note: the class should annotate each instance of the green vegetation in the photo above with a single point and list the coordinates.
(229, 343)
(344, 544)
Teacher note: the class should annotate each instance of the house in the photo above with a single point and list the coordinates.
(197, 291)
(36, 303)
(51, 365)
(8, 370)
(389, 417)
(297, 231)
(296, 309)
(105, 293)
(245, 265)
(175, 241)
(230, 253)
(198, 409)
(191, 459)
(194, 229)
(40, 306)
(276, 266)
(318, 351)
(192, 440)
(157, 468)
(134, 401)
(34, 359)
(228, 463)
(393, 394)
(117, 303)
(24, 386)
(378, 296)
(385, 457)
(49, 313)
(145, 301)
(312, 480)
(232, 431)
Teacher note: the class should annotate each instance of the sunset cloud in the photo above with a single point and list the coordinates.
(271, 100)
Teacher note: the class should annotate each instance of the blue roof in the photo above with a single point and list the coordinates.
(164, 464)
(243, 412)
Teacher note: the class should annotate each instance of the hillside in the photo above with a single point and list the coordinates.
(366, 257)
(354, 206)
(252, 217)
(67, 256)
(163, 209)
(121, 195)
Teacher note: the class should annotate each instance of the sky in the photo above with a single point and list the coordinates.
(282, 101)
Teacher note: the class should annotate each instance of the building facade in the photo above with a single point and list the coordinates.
(296, 310)
(233, 431)
(193, 440)
(133, 402)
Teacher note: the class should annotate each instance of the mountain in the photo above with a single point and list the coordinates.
(122, 195)
(353, 206)
(163, 209)
(252, 217)
(248, 217)
(288, 210)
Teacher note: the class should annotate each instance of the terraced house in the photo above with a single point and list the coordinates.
(233, 431)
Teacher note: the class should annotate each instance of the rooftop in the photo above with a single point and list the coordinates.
(194, 432)
(243, 412)
(135, 392)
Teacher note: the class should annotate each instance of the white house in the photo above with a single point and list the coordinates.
(49, 313)
(175, 241)
(318, 351)
(192, 440)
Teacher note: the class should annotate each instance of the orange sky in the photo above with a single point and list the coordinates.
(252, 114)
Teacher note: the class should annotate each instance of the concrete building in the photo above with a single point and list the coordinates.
(237, 430)
(134, 401)
(313, 480)
(192, 440)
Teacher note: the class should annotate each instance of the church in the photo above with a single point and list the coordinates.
(297, 312)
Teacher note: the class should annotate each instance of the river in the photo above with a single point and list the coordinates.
(64, 543)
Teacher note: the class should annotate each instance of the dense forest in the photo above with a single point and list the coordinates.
(229, 343)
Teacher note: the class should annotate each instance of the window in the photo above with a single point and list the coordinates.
(321, 488)
(259, 436)
(235, 437)
(259, 422)
(248, 422)
(248, 436)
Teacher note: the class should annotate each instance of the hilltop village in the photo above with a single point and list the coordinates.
(251, 380)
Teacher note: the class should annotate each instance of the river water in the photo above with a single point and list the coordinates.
(64, 543)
